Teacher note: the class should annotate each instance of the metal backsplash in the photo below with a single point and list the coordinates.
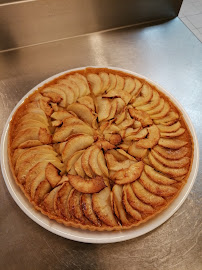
(31, 22)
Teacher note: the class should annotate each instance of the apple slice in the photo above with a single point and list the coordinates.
(79, 142)
(113, 110)
(146, 196)
(160, 190)
(60, 115)
(140, 135)
(105, 145)
(45, 106)
(29, 124)
(137, 151)
(126, 155)
(154, 102)
(86, 205)
(119, 83)
(158, 108)
(120, 105)
(80, 82)
(112, 82)
(125, 124)
(103, 108)
(125, 96)
(83, 112)
(179, 163)
(96, 83)
(138, 88)
(117, 195)
(52, 175)
(135, 202)
(145, 96)
(102, 164)
(126, 176)
(120, 117)
(102, 207)
(36, 181)
(173, 172)
(171, 154)
(141, 116)
(74, 206)
(42, 190)
(87, 185)
(55, 94)
(88, 102)
(170, 129)
(64, 132)
(162, 113)
(157, 177)
(61, 199)
(151, 140)
(129, 209)
(34, 116)
(85, 83)
(48, 202)
(93, 160)
(85, 162)
(44, 136)
(171, 143)
(117, 155)
(129, 85)
(115, 165)
(73, 159)
(78, 167)
(105, 79)
(26, 135)
(171, 117)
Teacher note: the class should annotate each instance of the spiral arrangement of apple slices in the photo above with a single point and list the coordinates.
(100, 149)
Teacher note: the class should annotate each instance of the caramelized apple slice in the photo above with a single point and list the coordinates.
(129, 85)
(87, 185)
(138, 88)
(105, 79)
(157, 177)
(80, 82)
(29, 124)
(179, 163)
(171, 154)
(171, 143)
(78, 167)
(119, 83)
(85, 162)
(158, 108)
(74, 206)
(118, 156)
(117, 195)
(137, 151)
(102, 207)
(103, 108)
(141, 116)
(169, 171)
(61, 199)
(48, 202)
(102, 164)
(135, 202)
(125, 96)
(76, 143)
(154, 102)
(115, 165)
(55, 94)
(60, 115)
(171, 117)
(162, 113)
(85, 84)
(42, 190)
(73, 159)
(146, 196)
(93, 160)
(126, 176)
(83, 112)
(86, 205)
(113, 110)
(160, 190)
(52, 175)
(112, 82)
(145, 96)
(151, 140)
(96, 83)
(25, 135)
(129, 209)
(126, 155)
(140, 135)
(88, 102)
(36, 181)
(169, 129)
(34, 116)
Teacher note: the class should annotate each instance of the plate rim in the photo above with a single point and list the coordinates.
(114, 236)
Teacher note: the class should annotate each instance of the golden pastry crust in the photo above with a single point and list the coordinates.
(99, 149)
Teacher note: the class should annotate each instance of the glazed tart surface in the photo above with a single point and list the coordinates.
(100, 149)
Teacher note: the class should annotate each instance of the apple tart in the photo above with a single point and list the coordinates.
(100, 149)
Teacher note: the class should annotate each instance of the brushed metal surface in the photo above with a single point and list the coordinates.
(170, 55)
(31, 22)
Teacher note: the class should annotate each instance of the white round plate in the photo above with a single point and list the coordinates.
(88, 236)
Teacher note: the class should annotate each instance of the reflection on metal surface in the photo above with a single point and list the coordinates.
(167, 53)
(32, 22)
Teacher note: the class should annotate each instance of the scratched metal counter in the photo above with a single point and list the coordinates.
(167, 53)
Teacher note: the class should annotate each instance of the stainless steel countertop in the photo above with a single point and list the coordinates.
(167, 53)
